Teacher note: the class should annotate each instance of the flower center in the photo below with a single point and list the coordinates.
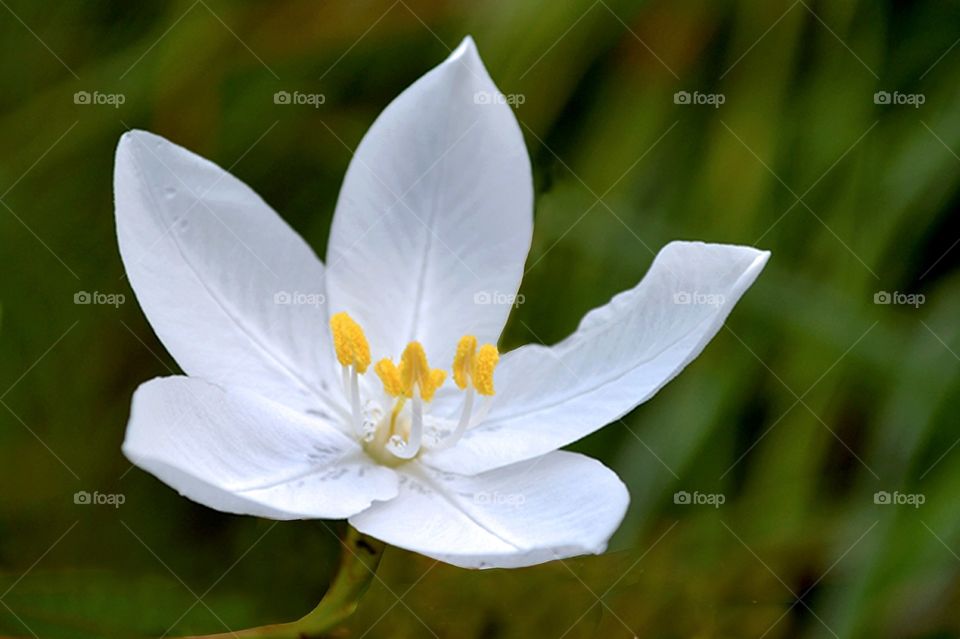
(394, 433)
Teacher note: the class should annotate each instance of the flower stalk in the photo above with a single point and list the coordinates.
(358, 565)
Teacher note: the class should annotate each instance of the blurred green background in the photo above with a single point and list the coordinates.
(814, 398)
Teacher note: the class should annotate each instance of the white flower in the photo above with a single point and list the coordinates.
(279, 415)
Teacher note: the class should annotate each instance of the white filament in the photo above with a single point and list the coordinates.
(462, 425)
(410, 448)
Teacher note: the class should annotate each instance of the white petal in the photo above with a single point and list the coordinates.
(213, 267)
(620, 355)
(434, 219)
(239, 453)
(552, 507)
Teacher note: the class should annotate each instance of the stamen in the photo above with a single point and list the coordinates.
(413, 380)
(472, 371)
(462, 425)
(353, 353)
(389, 375)
(395, 413)
(463, 361)
(355, 401)
(473, 366)
(414, 372)
(487, 358)
(410, 448)
(349, 342)
(437, 377)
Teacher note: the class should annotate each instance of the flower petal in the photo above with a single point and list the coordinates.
(556, 506)
(434, 219)
(239, 453)
(234, 293)
(620, 355)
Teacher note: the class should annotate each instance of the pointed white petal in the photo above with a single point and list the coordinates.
(239, 453)
(556, 506)
(232, 291)
(434, 219)
(621, 354)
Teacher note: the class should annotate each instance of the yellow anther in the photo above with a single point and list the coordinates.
(463, 361)
(414, 371)
(486, 362)
(414, 368)
(349, 342)
(389, 374)
(437, 377)
(473, 366)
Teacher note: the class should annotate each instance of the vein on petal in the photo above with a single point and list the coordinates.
(424, 476)
(284, 366)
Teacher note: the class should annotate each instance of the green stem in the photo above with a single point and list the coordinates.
(358, 565)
